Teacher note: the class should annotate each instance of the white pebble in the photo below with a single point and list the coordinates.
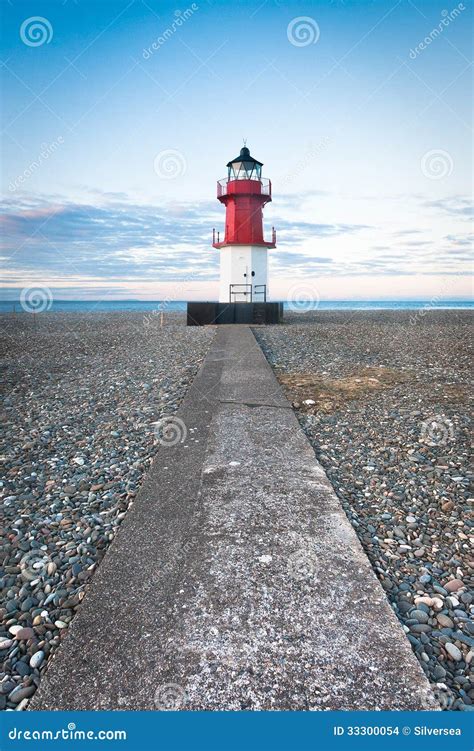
(453, 651)
(36, 659)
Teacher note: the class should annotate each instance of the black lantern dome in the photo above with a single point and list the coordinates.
(244, 166)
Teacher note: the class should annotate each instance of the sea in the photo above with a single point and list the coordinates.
(109, 306)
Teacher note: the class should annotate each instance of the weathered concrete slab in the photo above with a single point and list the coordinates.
(235, 577)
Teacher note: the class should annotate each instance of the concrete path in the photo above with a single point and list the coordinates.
(235, 581)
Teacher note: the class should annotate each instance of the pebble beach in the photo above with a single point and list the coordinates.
(384, 397)
(83, 395)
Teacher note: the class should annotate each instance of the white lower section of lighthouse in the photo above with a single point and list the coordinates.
(243, 273)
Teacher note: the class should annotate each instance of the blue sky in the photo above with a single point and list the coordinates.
(117, 126)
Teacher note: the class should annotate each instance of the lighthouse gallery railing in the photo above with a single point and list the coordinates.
(265, 183)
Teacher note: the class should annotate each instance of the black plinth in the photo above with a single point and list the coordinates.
(205, 313)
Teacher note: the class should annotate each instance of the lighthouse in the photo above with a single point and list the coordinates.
(244, 250)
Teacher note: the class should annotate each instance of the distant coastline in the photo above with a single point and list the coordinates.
(103, 306)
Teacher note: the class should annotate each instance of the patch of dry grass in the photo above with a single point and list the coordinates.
(313, 392)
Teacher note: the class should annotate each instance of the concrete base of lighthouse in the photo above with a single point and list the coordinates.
(211, 313)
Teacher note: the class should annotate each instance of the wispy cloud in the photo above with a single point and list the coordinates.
(115, 237)
(459, 206)
(112, 238)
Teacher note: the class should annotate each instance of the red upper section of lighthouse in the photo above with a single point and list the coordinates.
(244, 193)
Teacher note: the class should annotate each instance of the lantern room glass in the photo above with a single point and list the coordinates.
(245, 170)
